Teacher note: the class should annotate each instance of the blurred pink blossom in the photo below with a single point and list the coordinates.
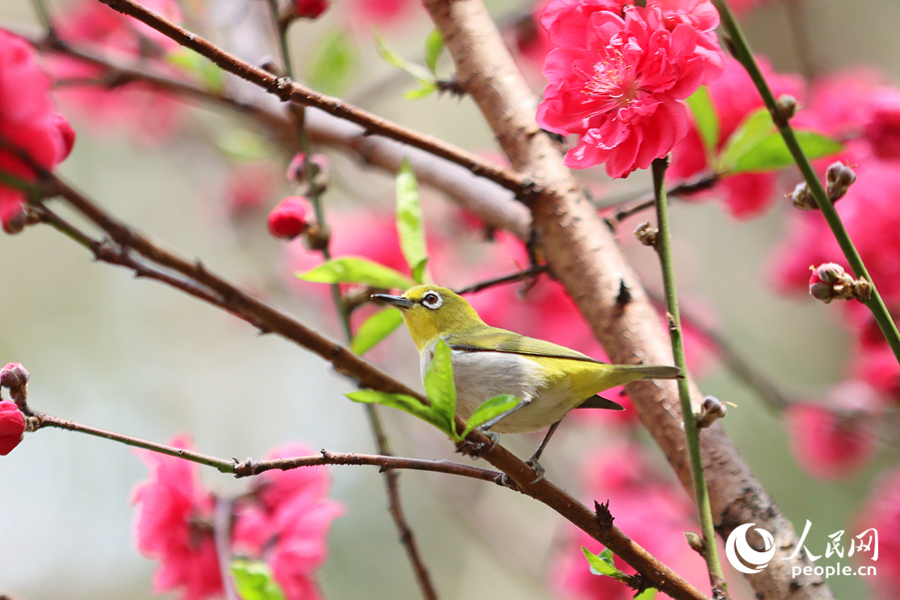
(734, 98)
(835, 439)
(151, 115)
(289, 218)
(28, 121)
(882, 512)
(284, 523)
(619, 75)
(173, 526)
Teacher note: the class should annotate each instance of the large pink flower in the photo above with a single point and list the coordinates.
(173, 526)
(619, 74)
(28, 121)
(734, 97)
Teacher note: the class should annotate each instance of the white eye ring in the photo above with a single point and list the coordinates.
(432, 300)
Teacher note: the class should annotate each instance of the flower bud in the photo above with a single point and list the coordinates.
(802, 198)
(839, 178)
(646, 234)
(830, 282)
(306, 9)
(711, 410)
(695, 541)
(787, 106)
(13, 376)
(12, 426)
(288, 219)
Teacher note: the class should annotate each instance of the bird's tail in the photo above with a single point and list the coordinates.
(659, 372)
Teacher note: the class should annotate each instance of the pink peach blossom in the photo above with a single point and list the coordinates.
(12, 426)
(28, 121)
(619, 74)
(171, 509)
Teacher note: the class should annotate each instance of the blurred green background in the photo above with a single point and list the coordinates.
(136, 357)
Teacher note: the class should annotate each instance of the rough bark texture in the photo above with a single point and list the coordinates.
(585, 257)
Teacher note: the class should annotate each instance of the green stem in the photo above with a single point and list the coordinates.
(742, 52)
(691, 432)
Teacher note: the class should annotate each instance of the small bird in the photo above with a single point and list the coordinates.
(550, 380)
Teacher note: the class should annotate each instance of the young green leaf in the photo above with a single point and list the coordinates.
(648, 594)
(355, 269)
(376, 328)
(333, 63)
(209, 73)
(407, 404)
(706, 119)
(439, 385)
(426, 90)
(254, 581)
(755, 128)
(392, 58)
(434, 45)
(488, 410)
(602, 564)
(409, 221)
(772, 154)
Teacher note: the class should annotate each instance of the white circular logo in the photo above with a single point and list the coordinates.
(740, 554)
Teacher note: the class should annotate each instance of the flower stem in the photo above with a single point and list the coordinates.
(741, 50)
(691, 432)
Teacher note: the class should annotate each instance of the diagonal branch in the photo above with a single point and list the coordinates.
(287, 90)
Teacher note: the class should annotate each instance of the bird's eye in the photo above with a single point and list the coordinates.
(432, 300)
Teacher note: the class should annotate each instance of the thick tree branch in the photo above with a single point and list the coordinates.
(585, 257)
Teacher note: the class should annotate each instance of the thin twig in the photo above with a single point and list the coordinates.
(691, 432)
(703, 182)
(526, 274)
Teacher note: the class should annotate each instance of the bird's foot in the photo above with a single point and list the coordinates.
(478, 449)
(538, 469)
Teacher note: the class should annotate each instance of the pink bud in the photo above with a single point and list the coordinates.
(13, 376)
(288, 219)
(310, 9)
(12, 426)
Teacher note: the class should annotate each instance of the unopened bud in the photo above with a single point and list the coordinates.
(695, 541)
(711, 410)
(839, 178)
(13, 376)
(787, 107)
(802, 198)
(288, 219)
(830, 282)
(646, 234)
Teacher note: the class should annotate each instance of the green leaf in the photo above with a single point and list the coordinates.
(376, 328)
(418, 271)
(243, 144)
(333, 63)
(407, 404)
(648, 594)
(440, 387)
(706, 119)
(754, 129)
(772, 154)
(426, 90)
(409, 220)
(356, 269)
(418, 73)
(254, 581)
(490, 409)
(602, 564)
(434, 45)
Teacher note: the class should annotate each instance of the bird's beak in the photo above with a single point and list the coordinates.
(398, 301)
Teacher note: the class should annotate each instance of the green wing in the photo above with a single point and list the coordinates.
(492, 339)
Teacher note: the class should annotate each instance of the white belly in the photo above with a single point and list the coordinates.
(480, 376)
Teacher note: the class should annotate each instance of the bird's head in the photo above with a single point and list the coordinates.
(430, 312)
